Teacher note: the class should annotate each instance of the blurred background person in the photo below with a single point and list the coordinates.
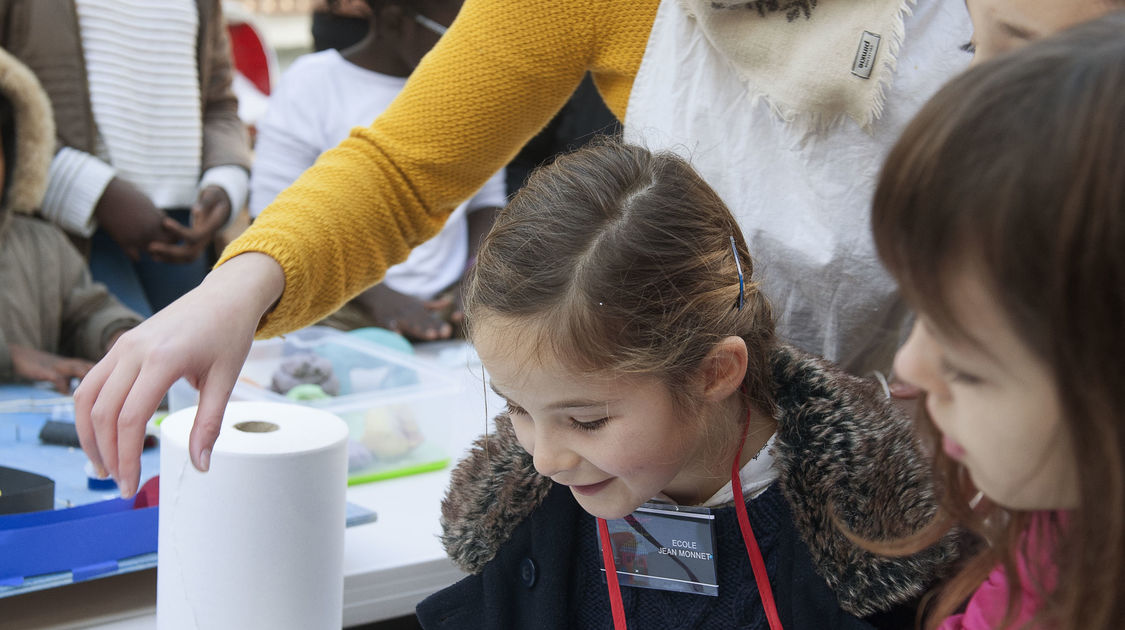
(54, 321)
(153, 160)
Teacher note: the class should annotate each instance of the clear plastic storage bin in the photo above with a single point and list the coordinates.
(396, 407)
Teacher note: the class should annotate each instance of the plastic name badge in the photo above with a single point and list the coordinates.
(665, 547)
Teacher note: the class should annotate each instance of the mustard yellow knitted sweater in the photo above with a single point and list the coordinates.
(497, 77)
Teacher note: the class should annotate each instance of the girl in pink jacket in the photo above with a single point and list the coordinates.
(1001, 213)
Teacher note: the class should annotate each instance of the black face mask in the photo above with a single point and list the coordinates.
(336, 31)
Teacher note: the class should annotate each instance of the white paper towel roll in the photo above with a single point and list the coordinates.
(258, 541)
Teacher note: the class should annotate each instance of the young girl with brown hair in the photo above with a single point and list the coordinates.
(613, 308)
(1001, 212)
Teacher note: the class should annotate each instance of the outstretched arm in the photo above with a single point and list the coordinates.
(499, 74)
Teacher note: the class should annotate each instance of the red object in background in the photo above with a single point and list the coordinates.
(250, 55)
(149, 494)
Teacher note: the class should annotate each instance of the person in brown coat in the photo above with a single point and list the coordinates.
(54, 320)
(152, 159)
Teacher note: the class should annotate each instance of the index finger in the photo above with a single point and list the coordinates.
(214, 393)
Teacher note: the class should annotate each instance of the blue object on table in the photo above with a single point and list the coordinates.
(103, 536)
(115, 529)
(94, 482)
(383, 337)
(87, 540)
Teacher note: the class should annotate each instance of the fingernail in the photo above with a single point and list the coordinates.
(205, 460)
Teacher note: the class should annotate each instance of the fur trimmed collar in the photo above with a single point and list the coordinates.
(843, 451)
(34, 145)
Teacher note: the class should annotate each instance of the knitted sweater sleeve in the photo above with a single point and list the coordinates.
(499, 74)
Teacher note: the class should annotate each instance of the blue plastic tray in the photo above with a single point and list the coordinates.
(87, 541)
(104, 535)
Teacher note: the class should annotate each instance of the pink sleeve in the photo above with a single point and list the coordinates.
(986, 607)
(988, 604)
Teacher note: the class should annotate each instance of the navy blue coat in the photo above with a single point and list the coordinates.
(533, 558)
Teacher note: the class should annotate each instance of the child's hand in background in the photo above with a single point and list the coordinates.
(456, 302)
(35, 365)
(404, 314)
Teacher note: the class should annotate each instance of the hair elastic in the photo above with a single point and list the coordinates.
(738, 265)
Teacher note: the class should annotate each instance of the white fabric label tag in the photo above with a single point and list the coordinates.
(865, 54)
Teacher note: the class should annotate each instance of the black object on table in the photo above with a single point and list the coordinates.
(22, 491)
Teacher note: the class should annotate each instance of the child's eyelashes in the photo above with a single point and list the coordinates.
(969, 47)
(513, 409)
(965, 378)
(956, 375)
(590, 425)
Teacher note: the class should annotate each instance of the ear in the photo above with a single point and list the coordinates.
(724, 368)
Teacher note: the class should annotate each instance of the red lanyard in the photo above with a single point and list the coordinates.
(756, 563)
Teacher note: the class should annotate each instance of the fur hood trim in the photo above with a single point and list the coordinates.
(35, 139)
(843, 452)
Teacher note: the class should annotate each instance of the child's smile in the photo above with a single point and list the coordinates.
(615, 441)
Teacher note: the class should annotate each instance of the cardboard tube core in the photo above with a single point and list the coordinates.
(256, 426)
